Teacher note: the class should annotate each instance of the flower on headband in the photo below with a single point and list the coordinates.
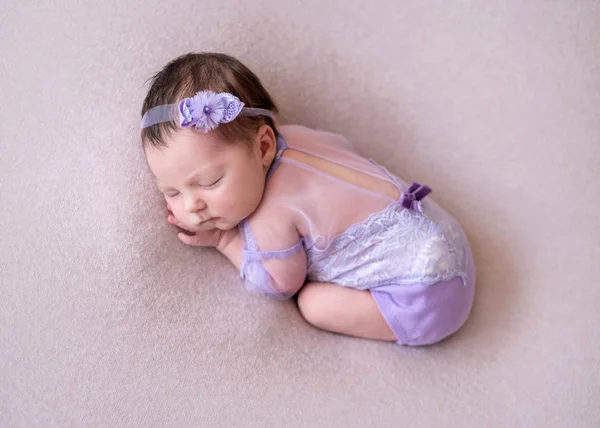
(207, 109)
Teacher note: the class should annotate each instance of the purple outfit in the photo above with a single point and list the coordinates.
(360, 227)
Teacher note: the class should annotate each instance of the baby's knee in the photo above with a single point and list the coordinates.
(313, 306)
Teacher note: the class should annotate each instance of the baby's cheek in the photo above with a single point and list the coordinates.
(177, 210)
(228, 205)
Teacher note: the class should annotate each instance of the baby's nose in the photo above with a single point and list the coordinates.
(194, 204)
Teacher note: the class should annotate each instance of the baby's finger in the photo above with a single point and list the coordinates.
(184, 238)
(173, 220)
(189, 239)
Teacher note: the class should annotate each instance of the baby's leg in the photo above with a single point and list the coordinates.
(343, 310)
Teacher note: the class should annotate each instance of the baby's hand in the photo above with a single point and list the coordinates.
(200, 237)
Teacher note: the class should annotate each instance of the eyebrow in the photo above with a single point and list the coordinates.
(162, 188)
(211, 169)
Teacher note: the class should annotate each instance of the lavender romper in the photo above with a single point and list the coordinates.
(409, 253)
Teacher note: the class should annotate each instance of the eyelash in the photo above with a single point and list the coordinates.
(208, 186)
(211, 185)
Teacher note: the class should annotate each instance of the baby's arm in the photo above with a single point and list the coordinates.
(228, 242)
(281, 277)
(277, 273)
(230, 245)
(287, 275)
(273, 261)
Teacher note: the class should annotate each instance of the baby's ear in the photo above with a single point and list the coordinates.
(268, 144)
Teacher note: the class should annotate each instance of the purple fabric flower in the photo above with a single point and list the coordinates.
(207, 109)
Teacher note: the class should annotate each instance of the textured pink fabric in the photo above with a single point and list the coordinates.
(107, 320)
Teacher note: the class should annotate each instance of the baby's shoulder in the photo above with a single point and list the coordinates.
(275, 205)
(273, 222)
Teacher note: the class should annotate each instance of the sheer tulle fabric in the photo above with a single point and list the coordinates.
(352, 228)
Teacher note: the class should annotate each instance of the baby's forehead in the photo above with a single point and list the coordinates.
(188, 149)
(186, 163)
(185, 148)
(183, 167)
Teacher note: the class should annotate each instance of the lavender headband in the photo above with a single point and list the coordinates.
(205, 110)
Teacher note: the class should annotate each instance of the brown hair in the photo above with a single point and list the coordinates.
(193, 72)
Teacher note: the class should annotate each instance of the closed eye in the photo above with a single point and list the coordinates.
(212, 184)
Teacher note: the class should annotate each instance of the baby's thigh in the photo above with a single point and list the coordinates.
(343, 310)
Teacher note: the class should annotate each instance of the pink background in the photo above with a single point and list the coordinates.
(107, 320)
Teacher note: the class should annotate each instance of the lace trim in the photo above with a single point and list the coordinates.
(393, 246)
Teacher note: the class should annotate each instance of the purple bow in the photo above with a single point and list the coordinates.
(416, 192)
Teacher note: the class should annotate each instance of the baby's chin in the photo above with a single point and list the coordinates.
(205, 227)
(223, 225)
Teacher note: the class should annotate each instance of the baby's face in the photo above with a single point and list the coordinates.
(208, 183)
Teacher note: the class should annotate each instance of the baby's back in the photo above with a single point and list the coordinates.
(324, 186)
(359, 226)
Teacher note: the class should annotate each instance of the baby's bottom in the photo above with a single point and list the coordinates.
(422, 315)
(411, 315)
